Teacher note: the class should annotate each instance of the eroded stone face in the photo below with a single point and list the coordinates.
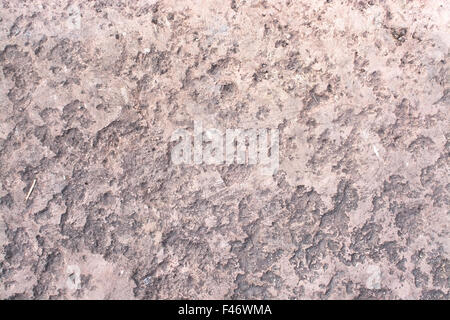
(91, 94)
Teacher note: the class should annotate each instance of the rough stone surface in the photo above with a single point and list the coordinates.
(91, 92)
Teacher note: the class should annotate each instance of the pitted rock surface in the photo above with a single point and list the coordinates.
(91, 92)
